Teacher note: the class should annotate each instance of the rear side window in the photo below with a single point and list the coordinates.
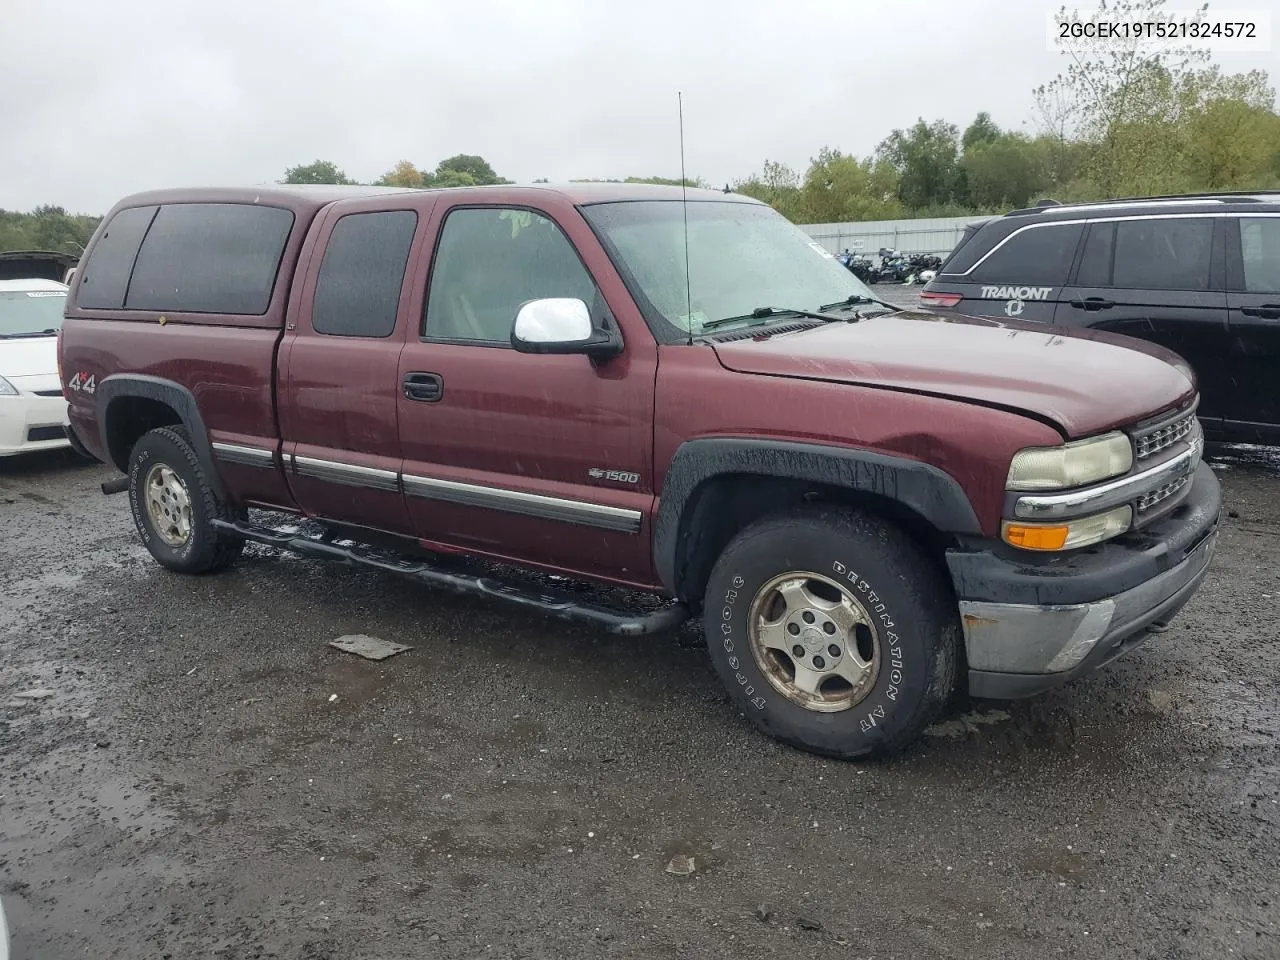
(1260, 250)
(968, 249)
(358, 290)
(1038, 255)
(104, 276)
(1163, 254)
(210, 258)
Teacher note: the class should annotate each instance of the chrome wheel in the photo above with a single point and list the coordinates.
(168, 505)
(814, 641)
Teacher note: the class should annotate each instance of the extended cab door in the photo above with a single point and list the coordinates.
(542, 459)
(1159, 278)
(1253, 302)
(338, 385)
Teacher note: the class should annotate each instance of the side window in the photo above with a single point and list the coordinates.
(1157, 254)
(105, 276)
(210, 258)
(488, 262)
(1260, 251)
(358, 289)
(1039, 255)
(1095, 262)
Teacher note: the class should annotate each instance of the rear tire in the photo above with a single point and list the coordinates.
(832, 631)
(174, 505)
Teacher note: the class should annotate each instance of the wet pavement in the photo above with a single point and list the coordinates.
(188, 769)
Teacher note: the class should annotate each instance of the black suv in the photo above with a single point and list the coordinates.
(1197, 274)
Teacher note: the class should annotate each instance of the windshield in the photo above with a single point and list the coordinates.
(742, 256)
(26, 313)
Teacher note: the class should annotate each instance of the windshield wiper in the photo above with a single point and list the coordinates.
(763, 313)
(854, 299)
(28, 334)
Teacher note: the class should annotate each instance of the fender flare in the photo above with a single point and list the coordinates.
(174, 395)
(925, 489)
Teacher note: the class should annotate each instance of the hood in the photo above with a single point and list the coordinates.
(1084, 382)
(37, 357)
(28, 264)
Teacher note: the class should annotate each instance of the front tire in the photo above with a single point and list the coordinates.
(174, 505)
(832, 631)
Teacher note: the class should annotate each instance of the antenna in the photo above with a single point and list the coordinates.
(684, 208)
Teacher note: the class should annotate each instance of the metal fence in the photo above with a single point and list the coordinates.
(937, 236)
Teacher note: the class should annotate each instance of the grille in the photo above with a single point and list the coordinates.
(1162, 438)
(48, 393)
(36, 434)
(1160, 494)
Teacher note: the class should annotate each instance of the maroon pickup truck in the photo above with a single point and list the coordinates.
(683, 395)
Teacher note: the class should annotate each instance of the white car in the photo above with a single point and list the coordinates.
(33, 411)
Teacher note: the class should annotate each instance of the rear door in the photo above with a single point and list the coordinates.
(542, 459)
(1020, 278)
(1159, 278)
(339, 363)
(1253, 303)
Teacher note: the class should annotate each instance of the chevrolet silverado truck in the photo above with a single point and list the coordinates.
(675, 392)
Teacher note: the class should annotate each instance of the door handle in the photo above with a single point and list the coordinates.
(426, 387)
(1268, 311)
(1092, 304)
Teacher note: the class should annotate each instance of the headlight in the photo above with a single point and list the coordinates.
(1070, 534)
(7, 389)
(1075, 464)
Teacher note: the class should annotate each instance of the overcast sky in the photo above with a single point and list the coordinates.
(101, 98)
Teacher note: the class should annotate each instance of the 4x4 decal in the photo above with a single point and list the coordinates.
(83, 382)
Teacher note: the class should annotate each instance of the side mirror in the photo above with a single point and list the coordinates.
(561, 325)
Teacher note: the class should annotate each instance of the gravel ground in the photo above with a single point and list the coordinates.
(207, 778)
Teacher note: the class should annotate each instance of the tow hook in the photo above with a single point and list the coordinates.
(118, 485)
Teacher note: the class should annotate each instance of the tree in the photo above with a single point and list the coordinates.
(1231, 143)
(403, 174)
(1006, 171)
(777, 185)
(839, 188)
(982, 130)
(48, 228)
(321, 171)
(465, 169)
(927, 160)
(1117, 95)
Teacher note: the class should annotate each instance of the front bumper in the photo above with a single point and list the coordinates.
(1033, 623)
(29, 422)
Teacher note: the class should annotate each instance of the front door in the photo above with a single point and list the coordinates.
(541, 459)
(1159, 279)
(1253, 301)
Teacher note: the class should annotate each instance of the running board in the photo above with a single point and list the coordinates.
(560, 605)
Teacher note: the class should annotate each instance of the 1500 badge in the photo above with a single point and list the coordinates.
(617, 476)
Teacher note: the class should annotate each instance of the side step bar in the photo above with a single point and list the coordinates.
(561, 605)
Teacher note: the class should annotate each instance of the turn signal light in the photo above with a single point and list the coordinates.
(1083, 532)
(1035, 537)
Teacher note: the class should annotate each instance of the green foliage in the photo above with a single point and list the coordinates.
(46, 228)
(463, 170)
(927, 159)
(1005, 170)
(321, 171)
